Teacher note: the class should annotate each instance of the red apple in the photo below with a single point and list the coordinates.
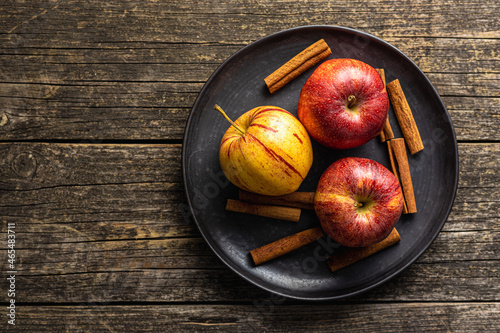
(343, 104)
(358, 201)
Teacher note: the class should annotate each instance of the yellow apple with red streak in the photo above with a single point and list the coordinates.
(266, 150)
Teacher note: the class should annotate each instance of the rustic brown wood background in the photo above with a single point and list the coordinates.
(94, 96)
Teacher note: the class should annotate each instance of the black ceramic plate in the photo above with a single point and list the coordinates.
(238, 86)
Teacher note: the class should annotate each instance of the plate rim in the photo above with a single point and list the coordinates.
(184, 161)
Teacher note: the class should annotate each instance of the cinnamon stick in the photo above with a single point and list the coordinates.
(405, 117)
(402, 168)
(381, 135)
(285, 245)
(386, 133)
(304, 200)
(277, 212)
(297, 65)
(381, 72)
(352, 255)
(396, 173)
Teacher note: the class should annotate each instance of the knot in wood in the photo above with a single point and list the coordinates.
(3, 119)
(24, 165)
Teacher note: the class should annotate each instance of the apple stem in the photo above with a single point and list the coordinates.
(218, 108)
(358, 204)
(351, 100)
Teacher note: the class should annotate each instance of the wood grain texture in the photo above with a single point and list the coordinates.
(170, 21)
(89, 225)
(116, 59)
(94, 99)
(269, 315)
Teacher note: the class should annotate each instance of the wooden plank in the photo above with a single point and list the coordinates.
(179, 62)
(431, 54)
(271, 315)
(43, 165)
(93, 185)
(95, 220)
(158, 111)
(152, 89)
(50, 217)
(174, 21)
(435, 282)
(484, 159)
(78, 87)
(472, 117)
(116, 245)
(49, 257)
(123, 111)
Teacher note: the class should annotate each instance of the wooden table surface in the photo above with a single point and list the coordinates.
(94, 98)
